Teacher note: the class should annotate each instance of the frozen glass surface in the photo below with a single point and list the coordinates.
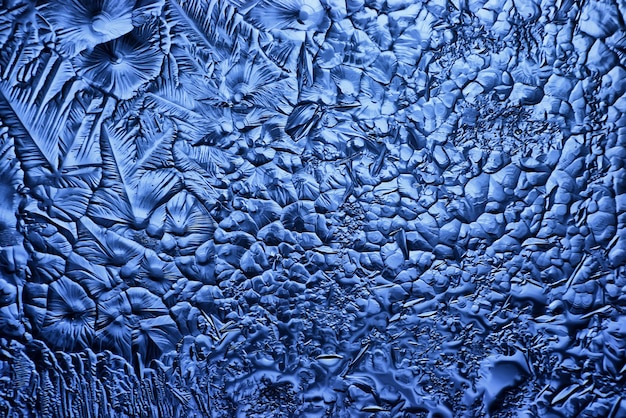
(312, 208)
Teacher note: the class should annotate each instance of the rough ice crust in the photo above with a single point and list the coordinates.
(309, 208)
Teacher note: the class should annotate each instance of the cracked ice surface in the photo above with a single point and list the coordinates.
(259, 208)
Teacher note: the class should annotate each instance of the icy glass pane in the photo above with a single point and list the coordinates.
(312, 208)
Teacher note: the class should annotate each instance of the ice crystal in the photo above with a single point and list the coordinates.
(343, 208)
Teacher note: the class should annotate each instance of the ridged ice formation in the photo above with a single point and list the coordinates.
(309, 208)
